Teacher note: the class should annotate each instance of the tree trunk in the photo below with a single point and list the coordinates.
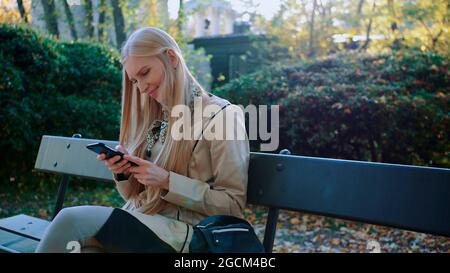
(181, 18)
(435, 39)
(70, 20)
(50, 16)
(368, 29)
(101, 21)
(312, 51)
(22, 11)
(397, 43)
(163, 10)
(359, 13)
(367, 41)
(119, 24)
(89, 18)
(360, 6)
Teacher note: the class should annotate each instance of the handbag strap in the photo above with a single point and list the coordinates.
(196, 142)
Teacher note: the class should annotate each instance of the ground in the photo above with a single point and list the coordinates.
(300, 232)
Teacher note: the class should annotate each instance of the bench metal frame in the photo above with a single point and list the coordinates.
(401, 196)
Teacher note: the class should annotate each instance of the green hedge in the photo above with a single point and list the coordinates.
(50, 87)
(391, 108)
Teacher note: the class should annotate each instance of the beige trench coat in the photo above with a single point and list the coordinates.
(216, 182)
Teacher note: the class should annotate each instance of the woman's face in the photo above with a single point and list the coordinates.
(147, 73)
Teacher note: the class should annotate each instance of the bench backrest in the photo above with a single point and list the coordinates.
(409, 197)
(66, 155)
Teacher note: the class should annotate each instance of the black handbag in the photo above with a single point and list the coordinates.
(224, 234)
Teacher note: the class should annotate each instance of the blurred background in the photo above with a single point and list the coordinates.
(355, 79)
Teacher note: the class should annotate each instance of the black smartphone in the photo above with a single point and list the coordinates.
(101, 148)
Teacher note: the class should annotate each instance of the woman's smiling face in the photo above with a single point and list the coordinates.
(147, 73)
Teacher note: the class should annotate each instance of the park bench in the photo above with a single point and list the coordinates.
(401, 196)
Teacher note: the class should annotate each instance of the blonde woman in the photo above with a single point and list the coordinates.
(175, 182)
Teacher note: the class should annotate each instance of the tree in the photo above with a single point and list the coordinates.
(158, 13)
(89, 18)
(433, 30)
(394, 24)
(119, 23)
(311, 51)
(50, 16)
(304, 27)
(181, 17)
(70, 20)
(176, 27)
(369, 28)
(318, 28)
(22, 11)
(420, 24)
(101, 20)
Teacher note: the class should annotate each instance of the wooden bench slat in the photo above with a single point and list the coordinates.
(4, 249)
(66, 155)
(17, 244)
(408, 197)
(30, 226)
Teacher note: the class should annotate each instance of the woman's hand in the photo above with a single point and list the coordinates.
(115, 165)
(149, 173)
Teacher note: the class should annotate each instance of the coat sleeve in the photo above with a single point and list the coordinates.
(227, 193)
(123, 186)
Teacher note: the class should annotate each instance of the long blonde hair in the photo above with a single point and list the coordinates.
(139, 111)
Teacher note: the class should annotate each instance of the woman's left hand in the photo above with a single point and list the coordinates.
(148, 173)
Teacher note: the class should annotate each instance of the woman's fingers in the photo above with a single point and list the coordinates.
(115, 163)
(123, 168)
(122, 149)
(113, 160)
(139, 176)
(137, 169)
(140, 179)
(119, 164)
(137, 160)
(120, 169)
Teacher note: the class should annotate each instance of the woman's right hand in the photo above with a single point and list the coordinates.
(114, 164)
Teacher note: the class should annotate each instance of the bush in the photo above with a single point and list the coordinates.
(48, 87)
(387, 108)
(98, 66)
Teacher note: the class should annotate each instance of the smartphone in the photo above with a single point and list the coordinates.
(101, 148)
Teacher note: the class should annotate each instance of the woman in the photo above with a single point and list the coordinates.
(174, 182)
